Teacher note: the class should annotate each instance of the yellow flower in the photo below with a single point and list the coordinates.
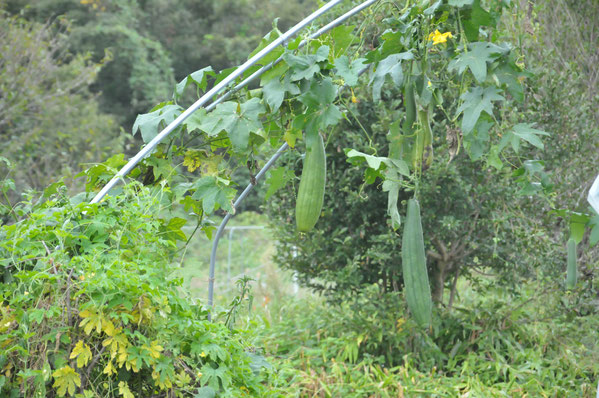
(203, 354)
(438, 37)
(353, 97)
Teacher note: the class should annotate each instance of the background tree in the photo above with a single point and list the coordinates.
(153, 43)
(49, 121)
(474, 212)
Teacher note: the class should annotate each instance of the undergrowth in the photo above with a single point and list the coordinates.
(90, 306)
(532, 344)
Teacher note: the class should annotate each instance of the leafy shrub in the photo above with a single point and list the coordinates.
(90, 307)
(489, 346)
(473, 216)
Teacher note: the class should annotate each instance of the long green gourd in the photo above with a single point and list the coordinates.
(416, 284)
(572, 271)
(427, 139)
(410, 107)
(310, 194)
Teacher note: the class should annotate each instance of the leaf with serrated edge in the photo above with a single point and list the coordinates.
(529, 134)
(213, 195)
(349, 71)
(390, 66)
(476, 59)
(476, 101)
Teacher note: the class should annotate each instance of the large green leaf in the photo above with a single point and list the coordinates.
(476, 59)
(390, 66)
(477, 141)
(317, 119)
(473, 18)
(377, 162)
(194, 122)
(321, 111)
(274, 91)
(529, 134)
(238, 120)
(277, 179)
(212, 376)
(509, 77)
(199, 77)
(476, 101)
(342, 36)
(305, 66)
(349, 71)
(214, 193)
(149, 124)
(321, 92)
(522, 131)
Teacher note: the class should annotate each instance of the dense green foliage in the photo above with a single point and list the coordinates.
(50, 123)
(152, 43)
(494, 345)
(90, 306)
(90, 302)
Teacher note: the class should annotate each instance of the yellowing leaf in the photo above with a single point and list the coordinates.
(82, 352)
(116, 340)
(109, 369)
(191, 161)
(108, 328)
(155, 350)
(66, 380)
(122, 357)
(124, 390)
(90, 321)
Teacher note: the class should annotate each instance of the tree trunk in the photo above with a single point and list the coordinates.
(438, 278)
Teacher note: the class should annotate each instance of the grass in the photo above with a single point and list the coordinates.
(534, 343)
(248, 253)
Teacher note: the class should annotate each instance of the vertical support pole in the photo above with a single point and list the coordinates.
(229, 255)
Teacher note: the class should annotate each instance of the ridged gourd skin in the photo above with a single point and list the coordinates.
(572, 271)
(416, 285)
(310, 196)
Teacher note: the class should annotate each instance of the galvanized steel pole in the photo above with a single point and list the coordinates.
(223, 224)
(206, 97)
(213, 92)
(279, 152)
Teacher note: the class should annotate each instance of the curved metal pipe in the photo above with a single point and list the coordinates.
(223, 224)
(338, 21)
(206, 97)
(268, 165)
